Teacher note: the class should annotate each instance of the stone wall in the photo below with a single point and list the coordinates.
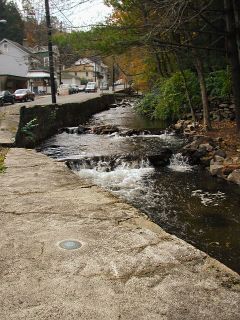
(40, 122)
(218, 112)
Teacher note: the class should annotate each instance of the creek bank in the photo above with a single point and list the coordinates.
(208, 152)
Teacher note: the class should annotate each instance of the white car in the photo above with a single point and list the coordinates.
(91, 87)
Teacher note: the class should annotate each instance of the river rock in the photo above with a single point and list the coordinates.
(161, 159)
(234, 177)
(81, 129)
(216, 169)
(70, 130)
(206, 146)
(218, 159)
(228, 169)
(105, 129)
(114, 105)
(205, 161)
(220, 153)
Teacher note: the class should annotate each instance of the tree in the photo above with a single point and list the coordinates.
(13, 29)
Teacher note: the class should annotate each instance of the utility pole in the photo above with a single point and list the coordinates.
(50, 52)
(113, 75)
(95, 67)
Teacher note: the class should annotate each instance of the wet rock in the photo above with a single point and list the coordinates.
(161, 159)
(235, 160)
(69, 130)
(82, 129)
(206, 146)
(114, 105)
(234, 177)
(205, 161)
(228, 169)
(131, 132)
(220, 153)
(216, 169)
(201, 142)
(105, 129)
(218, 159)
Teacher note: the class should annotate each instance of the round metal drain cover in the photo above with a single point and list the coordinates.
(70, 244)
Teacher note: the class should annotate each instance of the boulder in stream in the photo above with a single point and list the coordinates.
(104, 129)
(162, 158)
(234, 176)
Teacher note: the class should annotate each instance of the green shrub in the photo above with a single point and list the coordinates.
(219, 84)
(148, 104)
(168, 100)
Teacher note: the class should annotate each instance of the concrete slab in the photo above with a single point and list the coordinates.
(127, 268)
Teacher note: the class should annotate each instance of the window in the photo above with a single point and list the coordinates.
(46, 61)
(86, 74)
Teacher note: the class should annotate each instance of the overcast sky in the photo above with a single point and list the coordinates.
(90, 13)
(71, 12)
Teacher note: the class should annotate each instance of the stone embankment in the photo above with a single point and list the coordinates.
(218, 112)
(126, 267)
(208, 152)
(39, 122)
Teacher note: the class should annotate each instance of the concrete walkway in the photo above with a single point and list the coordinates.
(127, 268)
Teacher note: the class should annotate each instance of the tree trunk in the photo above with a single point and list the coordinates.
(232, 47)
(186, 89)
(236, 7)
(188, 96)
(159, 67)
(205, 103)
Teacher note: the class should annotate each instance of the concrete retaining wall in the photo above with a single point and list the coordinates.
(40, 122)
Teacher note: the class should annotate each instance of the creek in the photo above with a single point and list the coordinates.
(185, 201)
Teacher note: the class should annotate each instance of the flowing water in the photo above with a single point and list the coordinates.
(183, 200)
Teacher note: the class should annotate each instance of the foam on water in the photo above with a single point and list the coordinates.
(125, 179)
(179, 163)
(208, 198)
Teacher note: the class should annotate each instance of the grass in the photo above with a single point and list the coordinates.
(3, 152)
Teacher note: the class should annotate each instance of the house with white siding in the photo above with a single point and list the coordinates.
(15, 61)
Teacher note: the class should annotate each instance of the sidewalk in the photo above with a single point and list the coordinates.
(127, 267)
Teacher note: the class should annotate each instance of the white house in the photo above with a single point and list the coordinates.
(90, 69)
(68, 78)
(15, 61)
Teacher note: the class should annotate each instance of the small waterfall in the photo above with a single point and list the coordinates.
(120, 175)
(179, 163)
(108, 163)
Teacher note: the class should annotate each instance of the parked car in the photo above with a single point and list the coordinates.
(24, 95)
(6, 97)
(75, 88)
(118, 82)
(65, 89)
(71, 89)
(91, 87)
(104, 86)
(81, 88)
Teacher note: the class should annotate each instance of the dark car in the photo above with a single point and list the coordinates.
(6, 97)
(24, 95)
(75, 88)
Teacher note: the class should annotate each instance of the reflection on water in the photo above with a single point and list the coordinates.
(184, 200)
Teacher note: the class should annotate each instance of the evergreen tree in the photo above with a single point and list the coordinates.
(13, 29)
